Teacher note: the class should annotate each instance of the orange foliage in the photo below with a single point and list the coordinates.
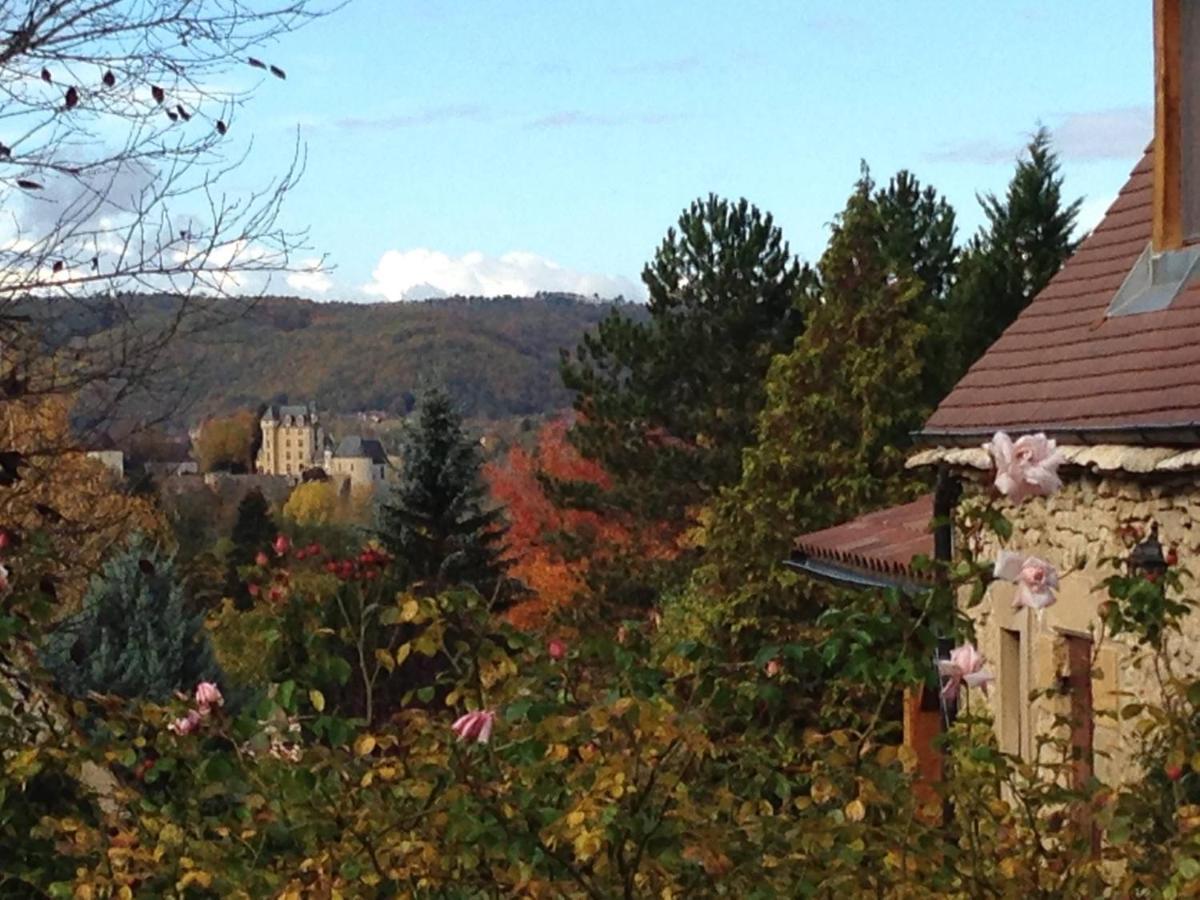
(534, 520)
(76, 500)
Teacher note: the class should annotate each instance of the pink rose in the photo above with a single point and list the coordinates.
(556, 648)
(187, 724)
(281, 545)
(208, 694)
(1026, 468)
(1036, 579)
(965, 666)
(475, 725)
(262, 560)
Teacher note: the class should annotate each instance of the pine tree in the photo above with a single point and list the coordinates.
(133, 637)
(1027, 239)
(667, 404)
(435, 519)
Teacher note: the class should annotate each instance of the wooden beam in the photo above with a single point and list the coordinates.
(1168, 173)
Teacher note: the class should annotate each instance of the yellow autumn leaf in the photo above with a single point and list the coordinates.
(822, 790)
(409, 610)
(364, 745)
(195, 876)
(317, 699)
(557, 752)
(385, 659)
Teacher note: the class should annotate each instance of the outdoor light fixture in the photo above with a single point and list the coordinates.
(1147, 557)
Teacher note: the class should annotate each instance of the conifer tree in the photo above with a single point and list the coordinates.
(435, 518)
(133, 636)
(831, 437)
(1027, 238)
(253, 530)
(667, 404)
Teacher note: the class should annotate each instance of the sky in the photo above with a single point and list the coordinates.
(509, 146)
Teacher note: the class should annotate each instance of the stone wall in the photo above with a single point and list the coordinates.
(1076, 530)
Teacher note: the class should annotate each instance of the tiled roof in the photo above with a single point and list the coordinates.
(877, 548)
(1064, 367)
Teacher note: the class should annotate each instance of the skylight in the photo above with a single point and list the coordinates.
(1155, 281)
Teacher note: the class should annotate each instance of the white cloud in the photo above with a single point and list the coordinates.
(420, 274)
(310, 279)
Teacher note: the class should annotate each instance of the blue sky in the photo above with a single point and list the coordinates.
(497, 144)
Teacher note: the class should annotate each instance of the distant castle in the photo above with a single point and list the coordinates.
(294, 441)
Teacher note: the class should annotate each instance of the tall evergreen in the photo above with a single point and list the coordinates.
(831, 437)
(668, 404)
(253, 529)
(1027, 238)
(915, 234)
(435, 519)
(133, 637)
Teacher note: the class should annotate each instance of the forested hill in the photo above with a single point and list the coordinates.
(499, 357)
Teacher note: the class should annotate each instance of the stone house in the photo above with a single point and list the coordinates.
(1105, 361)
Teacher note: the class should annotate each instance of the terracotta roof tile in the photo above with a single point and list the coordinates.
(1064, 366)
(883, 542)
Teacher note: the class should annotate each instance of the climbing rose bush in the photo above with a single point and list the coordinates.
(1036, 579)
(1025, 468)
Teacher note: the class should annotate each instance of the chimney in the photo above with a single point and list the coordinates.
(1176, 124)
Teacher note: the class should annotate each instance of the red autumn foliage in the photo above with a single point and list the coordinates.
(534, 521)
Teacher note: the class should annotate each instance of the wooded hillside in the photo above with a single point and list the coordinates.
(499, 357)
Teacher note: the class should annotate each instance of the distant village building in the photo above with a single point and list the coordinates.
(359, 461)
(293, 440)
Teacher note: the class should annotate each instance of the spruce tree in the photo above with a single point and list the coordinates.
(435, 519)
(133, 636)
(1027, 238)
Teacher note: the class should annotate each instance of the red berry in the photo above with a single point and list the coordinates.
(1174, 772)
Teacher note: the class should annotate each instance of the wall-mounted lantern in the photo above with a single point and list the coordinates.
(1147, 558)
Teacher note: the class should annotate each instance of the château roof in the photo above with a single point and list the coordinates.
(355, 447)
(293, 410)
(1067, 367)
